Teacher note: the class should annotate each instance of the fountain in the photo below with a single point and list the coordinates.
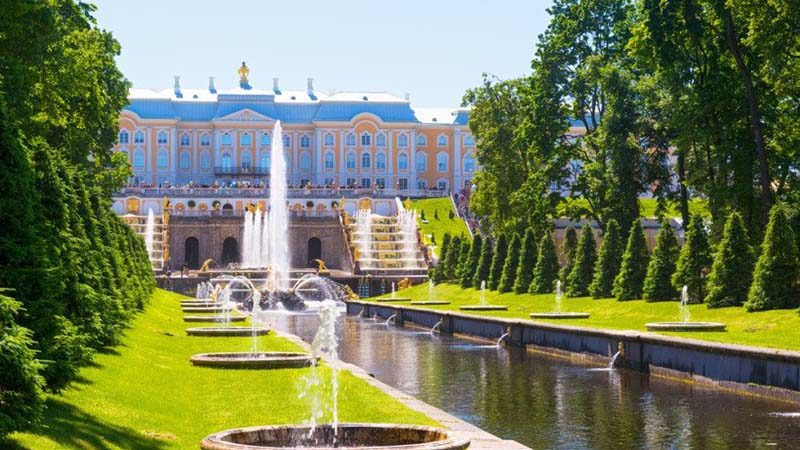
(391, 319)
(503, 337)
(558, 314)
(149, 232)
(278, 221)
(393, 296)
(437, 326)
(685, 323)
(255, 248)
(483, 305)
(430, 301)
(226, 304)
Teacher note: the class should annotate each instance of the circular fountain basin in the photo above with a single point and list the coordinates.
(685, 326)
(561, 315)
(483, 308)
(431, 302)
(226, 331)
(396, 299)
(214, 319)
(206, 309)
(252, 360)
(348, 436)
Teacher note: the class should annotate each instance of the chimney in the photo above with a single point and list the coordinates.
(310, 85)
(275, 86)
(408, 97)
(211, 87)
(177, 87)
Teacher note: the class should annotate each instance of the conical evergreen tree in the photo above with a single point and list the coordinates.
(568, 247)
(472, 261)
(545, 273)
(658, 281)
(463, 261)
(498, 261)
(509, 274)
(609, 260)
(451, 260)
(527, 262)
(694, 261)
(484, 264)
(732, 269)
(776, 282)
(629, 282)
(581, 276)
(437, 273)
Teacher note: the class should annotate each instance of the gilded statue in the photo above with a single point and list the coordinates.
(404, 283)
(323, 269)
(349, 294)
(204, 267)
(244, 72)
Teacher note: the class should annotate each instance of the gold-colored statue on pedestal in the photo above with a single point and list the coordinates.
(404, 283)
(244, 72)
(322, 269)
(204, 267)
(349, 294)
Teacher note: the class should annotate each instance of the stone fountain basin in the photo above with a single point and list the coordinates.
(396, 299)
(430, 302)
(226, 331)
(685, 326)
(348, 436)
(206, 309)
(483, 308)
(252, 360)
(562, 315)
(214, 319)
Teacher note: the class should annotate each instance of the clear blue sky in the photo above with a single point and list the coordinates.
(432, 49)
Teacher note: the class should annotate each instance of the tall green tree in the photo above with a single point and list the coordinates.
(629, 282)
(471, 265)
(545, 273)
(776, 282)
(608, 262)
(498, 261)
(484, 264)
(658, 281)
(509, 274)
(732, 269)
(451, 260)
(581, 275)
(694, 261)
(568, 248)
(527, 261)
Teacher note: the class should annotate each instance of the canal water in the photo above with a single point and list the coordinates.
(548, 403)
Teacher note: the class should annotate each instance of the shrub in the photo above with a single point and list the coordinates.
(527, 262)
(509, 274)
(546, 271)
(658, 281)
(775, 282)
(608, 262)
(694, 261)
(484, 264)
(451, 260)
(630, 280)
(580, 277)
(463, 260)
(422, 214)
(451, 215)
(436, 214)
(498, 261)
(732, 269)
(568, 253)
(471, 263)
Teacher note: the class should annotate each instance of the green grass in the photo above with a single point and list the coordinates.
(774, 329)
(146, 395)
(444, 224)
(697, 206)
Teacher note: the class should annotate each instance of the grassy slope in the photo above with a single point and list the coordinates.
(775, 329)
(648, 207)
(444, 224)
(146, 394)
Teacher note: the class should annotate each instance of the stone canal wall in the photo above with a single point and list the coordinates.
(751, 370)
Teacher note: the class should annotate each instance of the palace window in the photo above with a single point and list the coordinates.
(422, 184)
(124, 137)
(329, 160)
(422, 140)
(226, 139)
(365, 183)
(366, 161)
(351, 160)
(402, 161)
(138, 159)
(402, 141)
(247, 162)
(366, 140)
(441, 162)
(441, 185)
(266, 161)
(402, 183)
(305, 141)
(441, 141)
(469, 140)
(305, 161)
(227, 161)
(246, 140)
(469, 164)
(421, 162)
(380, 182)
(328, 181)
(162, 137)
(350, 139)
(380, 141)
(185, 161)
(328, 139)
(162, 159)
(205, 140)
(266, 139)
(138, 137)
(380, 161)
(350, 182)
(287, 141)
(205, 160)
(185, 139)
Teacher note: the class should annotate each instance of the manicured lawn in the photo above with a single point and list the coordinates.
(648, 207)
(438, 227)
(146, 395)
(775, 329)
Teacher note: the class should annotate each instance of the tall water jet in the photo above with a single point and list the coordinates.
(325, 347)
(364, 233)
(483, 292)
(257, 239)
(559, 296)
(149, 232)
(247, 241)
(686, 316)
(278, 220)
(557, 309)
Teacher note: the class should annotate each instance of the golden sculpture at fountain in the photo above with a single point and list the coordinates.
(322, 269)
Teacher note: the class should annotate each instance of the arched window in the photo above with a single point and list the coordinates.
(421, 162)
(328, 139)
(351, 160)
(162, 137)
(138, 159)
(366, 161)
(402, 161)
(441, 141)
(469, 140)
(422, 140)
(205, 140)
(305, 141)
(246, 139)
(266, 161)
(402, 141)
(162, 159)
(138, 137)
(191, 251)
(380, 161)
(227, 161)
(124, 137)
(266, 139)
(350, 139)
(226, 139)
(287, 141)
(185, 161)
(329, 160)
(366, 139)
(469, 164)
(247, 161)
(305, 161)
(205, 160)
(441, 162)
(380, 140)
(185, 139)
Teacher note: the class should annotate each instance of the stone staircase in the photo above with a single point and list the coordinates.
(386, 245)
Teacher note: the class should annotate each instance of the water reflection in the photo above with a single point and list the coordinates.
(552, 404)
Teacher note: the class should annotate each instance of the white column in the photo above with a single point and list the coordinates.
(342, 160)
(195, 156)
(316, 145)
(390, 182)
(295, 163)
(413, 162)
(457, 180)
(148, 155)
